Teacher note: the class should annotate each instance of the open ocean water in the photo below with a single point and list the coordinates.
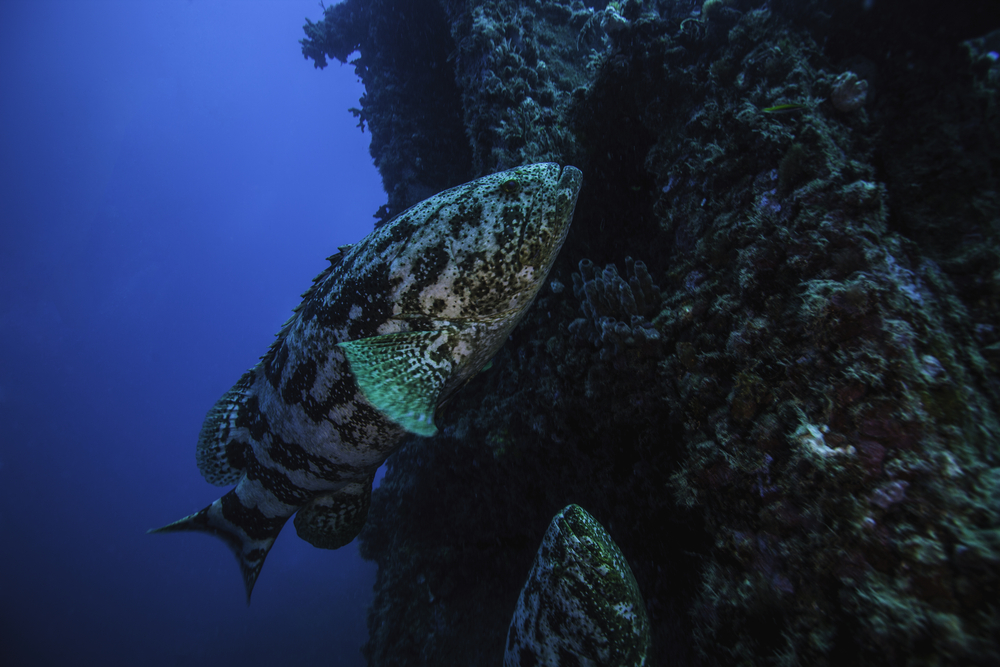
(174, 174)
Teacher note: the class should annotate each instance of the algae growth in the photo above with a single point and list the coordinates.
(767, 359)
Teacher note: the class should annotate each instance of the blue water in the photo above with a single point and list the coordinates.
(174, 174)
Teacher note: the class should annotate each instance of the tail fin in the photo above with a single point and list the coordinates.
(247, 531)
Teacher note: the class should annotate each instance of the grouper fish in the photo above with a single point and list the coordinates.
(580, 606)
(386, 334)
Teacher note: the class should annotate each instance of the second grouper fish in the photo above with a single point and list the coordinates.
(385, 335)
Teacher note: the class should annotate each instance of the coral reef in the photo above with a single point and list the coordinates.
(785, 414)
(849, 93)
(413, 112)
(615, 311)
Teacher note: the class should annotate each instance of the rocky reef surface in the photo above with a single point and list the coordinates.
(768, 360)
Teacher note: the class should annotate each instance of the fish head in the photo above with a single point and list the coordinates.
(458, 271)
(482, 250)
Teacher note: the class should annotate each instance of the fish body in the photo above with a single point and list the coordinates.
(580, 605)
(386, 334)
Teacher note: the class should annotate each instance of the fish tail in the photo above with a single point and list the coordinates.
(248, 532)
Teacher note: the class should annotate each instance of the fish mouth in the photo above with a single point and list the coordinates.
(570, 178)
(556, 204)
(566, 192)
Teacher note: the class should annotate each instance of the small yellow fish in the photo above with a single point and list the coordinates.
(785, 108)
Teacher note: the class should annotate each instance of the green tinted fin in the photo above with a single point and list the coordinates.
(402, 374)
(334, 519)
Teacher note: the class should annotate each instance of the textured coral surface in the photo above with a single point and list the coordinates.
(784, 409)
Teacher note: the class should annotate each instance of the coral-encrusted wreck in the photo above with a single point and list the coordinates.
(785, 409)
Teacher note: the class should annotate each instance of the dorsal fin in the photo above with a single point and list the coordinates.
(334, 260)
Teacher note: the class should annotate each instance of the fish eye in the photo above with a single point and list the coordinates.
(511, 187)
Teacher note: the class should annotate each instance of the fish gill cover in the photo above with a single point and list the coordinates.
(794, 436)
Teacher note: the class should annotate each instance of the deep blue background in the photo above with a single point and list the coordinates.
(174, 174)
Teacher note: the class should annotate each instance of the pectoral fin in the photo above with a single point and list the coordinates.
(402, 374)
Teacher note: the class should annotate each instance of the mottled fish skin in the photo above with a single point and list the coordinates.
(385, 335)
(580, 606)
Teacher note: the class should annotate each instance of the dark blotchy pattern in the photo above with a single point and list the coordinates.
(305, 428)
(580, 601)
